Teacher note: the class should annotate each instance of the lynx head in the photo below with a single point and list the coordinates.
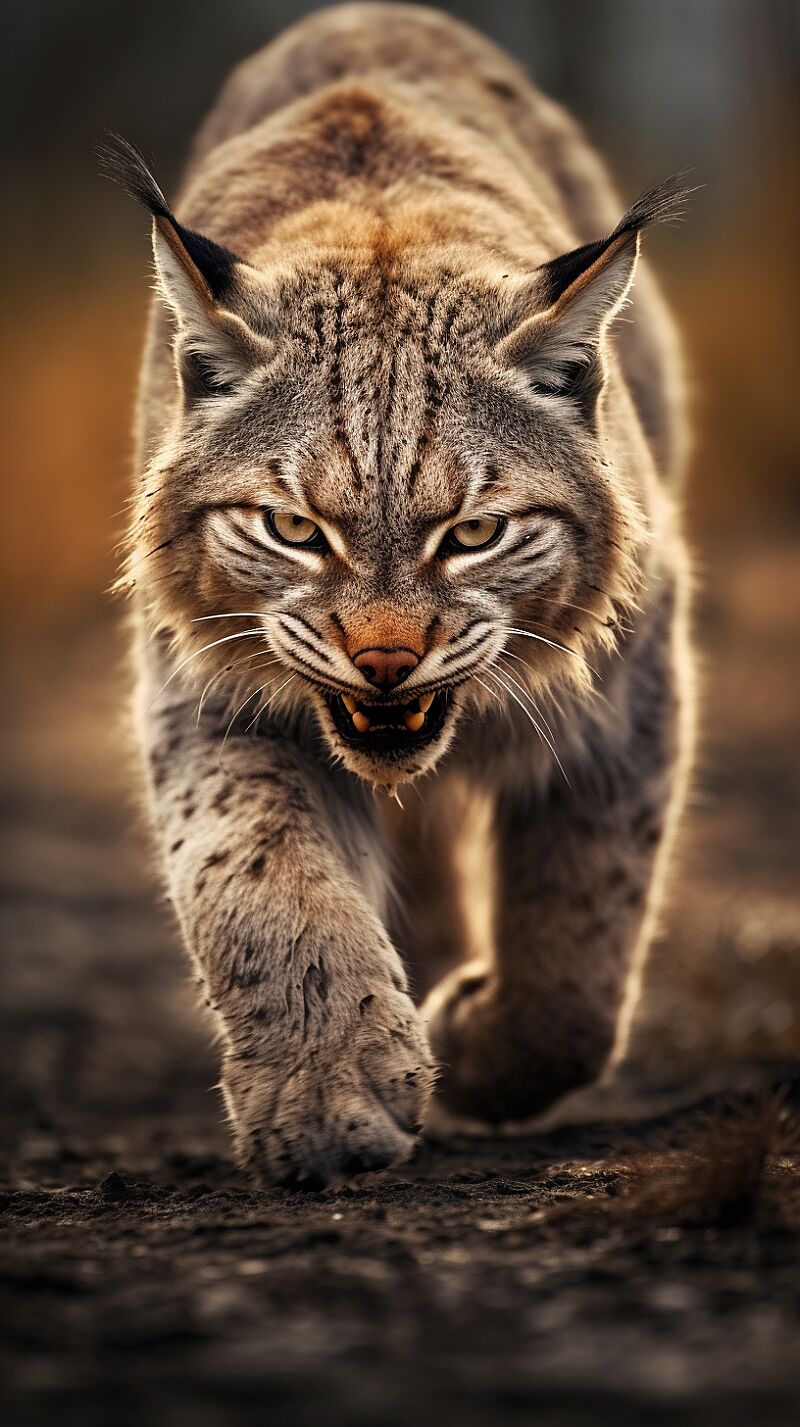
(385, 469)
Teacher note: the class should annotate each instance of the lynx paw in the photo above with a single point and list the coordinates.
(490, 1065)
(455, 1016)
(354, 1103)
(504, 1054)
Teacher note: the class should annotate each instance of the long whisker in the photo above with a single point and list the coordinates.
(233, 614)
(567, 604)
(542, 735)
(268, 685)
(241, 634)
(615, 622)
(494, 675)
(570, 604)
(526, 634)
(597, 693)
(526, 692)
(206, 690)
(252, 695)
(495, 696)
(269, 700)
(237, 664)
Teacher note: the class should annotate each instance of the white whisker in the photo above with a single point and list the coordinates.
(526, 634)
(494, 675)
(242, 634)
(495, 696)
(206, 690)
(234, 614)
(243, 705)
(271, 697)
(584, 609)
(524, 690)
(236, 665)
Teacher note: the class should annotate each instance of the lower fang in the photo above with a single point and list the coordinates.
(414, 721)
(361, 721)
(425, 701)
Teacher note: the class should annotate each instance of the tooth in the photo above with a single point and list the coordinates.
(425, 701)
(413, 721)
(349, 703)
(361, 721)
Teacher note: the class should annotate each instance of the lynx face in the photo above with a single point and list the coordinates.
(383, 473)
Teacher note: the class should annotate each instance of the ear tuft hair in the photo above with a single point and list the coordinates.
(665, 203)
(122, 162)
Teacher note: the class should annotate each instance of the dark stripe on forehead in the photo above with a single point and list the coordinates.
(392, 439)
(434, 390)
(368, 402)
(340, 430)
(423, 436)
(384, 420)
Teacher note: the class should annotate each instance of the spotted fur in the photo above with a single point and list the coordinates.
(386, 307)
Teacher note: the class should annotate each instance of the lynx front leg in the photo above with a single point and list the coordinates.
(578, 877)
(436, 840)
(325, 1067)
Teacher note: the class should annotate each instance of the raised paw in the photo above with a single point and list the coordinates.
(501, 1055)
(353, 1102)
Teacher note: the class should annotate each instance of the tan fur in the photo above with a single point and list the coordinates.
(377, 345)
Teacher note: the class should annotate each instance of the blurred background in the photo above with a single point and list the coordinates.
(96, 998)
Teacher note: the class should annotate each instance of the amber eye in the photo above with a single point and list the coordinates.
(295, 529)
(473, 534)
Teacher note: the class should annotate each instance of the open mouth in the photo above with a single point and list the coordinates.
(386, 729)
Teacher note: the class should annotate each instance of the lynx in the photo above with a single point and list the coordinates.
(406, 530)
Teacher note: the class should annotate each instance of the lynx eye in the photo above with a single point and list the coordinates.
(292, 529)
(473, 534)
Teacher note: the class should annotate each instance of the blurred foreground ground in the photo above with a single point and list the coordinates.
(178, 1295)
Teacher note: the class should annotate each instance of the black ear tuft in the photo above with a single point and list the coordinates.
(666, 203)
(122, 162)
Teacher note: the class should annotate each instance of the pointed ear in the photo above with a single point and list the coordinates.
(198, 280)
(579, 294)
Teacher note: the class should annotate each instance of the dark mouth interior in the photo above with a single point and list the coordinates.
(389, 728)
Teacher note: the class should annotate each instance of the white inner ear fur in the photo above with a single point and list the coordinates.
(203, 328)
(570, 331)
(188, 297)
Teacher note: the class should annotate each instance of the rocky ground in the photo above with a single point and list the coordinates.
(641, 1265)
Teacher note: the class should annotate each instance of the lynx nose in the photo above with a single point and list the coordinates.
(386, 667)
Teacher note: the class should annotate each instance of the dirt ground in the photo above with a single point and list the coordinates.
(591, 1273)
